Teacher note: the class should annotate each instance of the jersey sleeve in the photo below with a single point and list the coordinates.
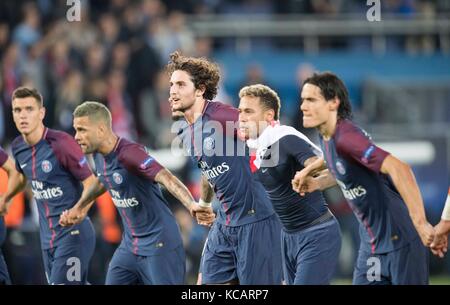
(69, 154)
(298, 148)
(353, 143)
(14, 146)
(226, 115)
(3, 157)
(136, 160)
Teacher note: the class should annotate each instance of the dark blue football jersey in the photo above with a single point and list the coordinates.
(355, 161)
(128, 172)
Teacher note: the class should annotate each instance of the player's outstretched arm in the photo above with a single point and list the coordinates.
(16, 183)
(92, 188)
(180, 191)
(312, 167)
(325, 180)
(405, 182)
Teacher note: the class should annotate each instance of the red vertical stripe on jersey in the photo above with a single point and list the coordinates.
(228, 219)
(253, 167)
(366, 224)
(135, 239)
(50, 223)
(372, 237)
(104, 174)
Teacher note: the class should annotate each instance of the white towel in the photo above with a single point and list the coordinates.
(271, 135)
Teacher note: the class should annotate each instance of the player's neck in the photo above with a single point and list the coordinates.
(195, 111)
(109, 144)
(35, 136)
(263, 126)
(328, 128)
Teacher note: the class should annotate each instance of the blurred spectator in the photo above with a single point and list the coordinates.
(120, 56)
(95, 61)
(4, 37)
(203, 47)
(81, 34)
(68, 96)
(155, 114)
(110, 30)
(171, 36)
(118, 101)
(96, 90)
(153, 9)
(33, 66)
(145, 63)
(11, 80)
(132, 22)
(222, 93)
(58, 61)
(28, 31)
(254, 74)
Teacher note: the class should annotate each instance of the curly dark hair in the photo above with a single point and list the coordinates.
(202, 72)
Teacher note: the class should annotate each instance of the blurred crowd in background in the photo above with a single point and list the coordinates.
(116, 55)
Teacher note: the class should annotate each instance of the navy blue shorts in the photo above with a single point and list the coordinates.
(4, 275)
(310, 256)
(68, 262)
(249, 253)
(406, 266)
(167, 268)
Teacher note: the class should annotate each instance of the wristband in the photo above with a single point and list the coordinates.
(204, 204)
(446, 211)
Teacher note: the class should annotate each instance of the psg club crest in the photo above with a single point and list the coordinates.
(117, 178)
(46, 166)
(340, 167)
(208, 143)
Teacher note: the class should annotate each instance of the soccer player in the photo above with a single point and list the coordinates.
(58, 172)
(310, 238)
(440, 244)
(380, 188)
(13, 177)
(151, 251)
(243, 245)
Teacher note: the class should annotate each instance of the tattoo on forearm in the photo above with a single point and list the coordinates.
(207, 191)
(177, 189)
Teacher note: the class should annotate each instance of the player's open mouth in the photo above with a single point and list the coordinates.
(173, 103)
